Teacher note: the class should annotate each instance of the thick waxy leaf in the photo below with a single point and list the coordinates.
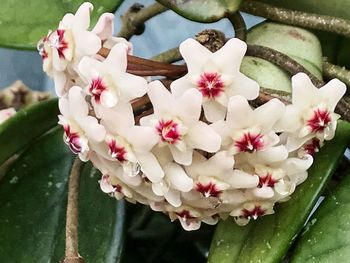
(327, 236)
(267, 239)
(339, 8)
(33, 197)
(297, 43)
(23, 23)
(202, 11)
(20, 130)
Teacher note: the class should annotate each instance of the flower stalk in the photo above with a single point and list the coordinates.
(297, 18)
(71, 251)
(133, 21)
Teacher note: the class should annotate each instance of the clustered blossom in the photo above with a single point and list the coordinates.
(204, 153)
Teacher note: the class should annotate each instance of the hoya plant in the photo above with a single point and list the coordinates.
(222, 149)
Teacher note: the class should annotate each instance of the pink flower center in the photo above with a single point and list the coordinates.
(209, 189)
(210, 84)
(168, 131)
(73, 140)
(312, 147)
(250, 142)
(253, 213)
(186, 216)
(267, 181)
(319, 121)
(96, 88)
(58, 42)
(116, 151)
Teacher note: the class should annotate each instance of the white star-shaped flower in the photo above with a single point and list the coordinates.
(216, 75)
(129, 144)
(78, 126)
(311, 114)
(246, 130)
(108, 82)
(176, 122)
(62, 49)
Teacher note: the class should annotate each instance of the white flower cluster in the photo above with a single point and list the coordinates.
(195, 166)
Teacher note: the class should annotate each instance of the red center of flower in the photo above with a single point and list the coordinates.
(116, 151)
(319, 121)
(312, 147)
(267, 181)
(210, 84)
(57, 41)
(96, 88)
(186, 216)
(72, 139)
(250, 142)
(168, 131)
(209, 189)
(253, 213)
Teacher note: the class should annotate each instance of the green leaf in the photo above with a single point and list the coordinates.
(33, 197)
(202, 11)
(268, 239)
(327, 236)
(339, 8)
(23, 23)
(20, 130)
(299, 44)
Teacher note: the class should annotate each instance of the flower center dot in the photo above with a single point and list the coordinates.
(116, 151)
(210, 84)
(96, 88)
(319, 120)
(250, 142)
(168, 131)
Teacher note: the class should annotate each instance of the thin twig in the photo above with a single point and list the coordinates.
(331, 71)
(239, 25)
(133, 20)
(297, 18)
(71, 253)
(170, 56)
(281, 60)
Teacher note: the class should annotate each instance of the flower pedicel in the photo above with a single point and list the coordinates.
(232, 161)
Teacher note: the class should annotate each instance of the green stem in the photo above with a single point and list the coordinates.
(239, 25)
(297, 18)
(331, 71)
(169, 56)
(133, 19)
(281, 60)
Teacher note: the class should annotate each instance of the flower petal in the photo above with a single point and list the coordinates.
(104, 26)
(239, 179)
(194, 54)
(269, 113)
(304, 92)
(189, 106)
(230, 56)
(150, 167)
(202, 136)
(179, 86)
(182, 157)
(332, 92)
(77, 104)
(160, 97)
(178, 178)
(239, 113)
(244, 86)
(213, 111)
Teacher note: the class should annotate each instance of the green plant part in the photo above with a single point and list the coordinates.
(202, 11)
(271, 236)
(33, 207)
(22, 22)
